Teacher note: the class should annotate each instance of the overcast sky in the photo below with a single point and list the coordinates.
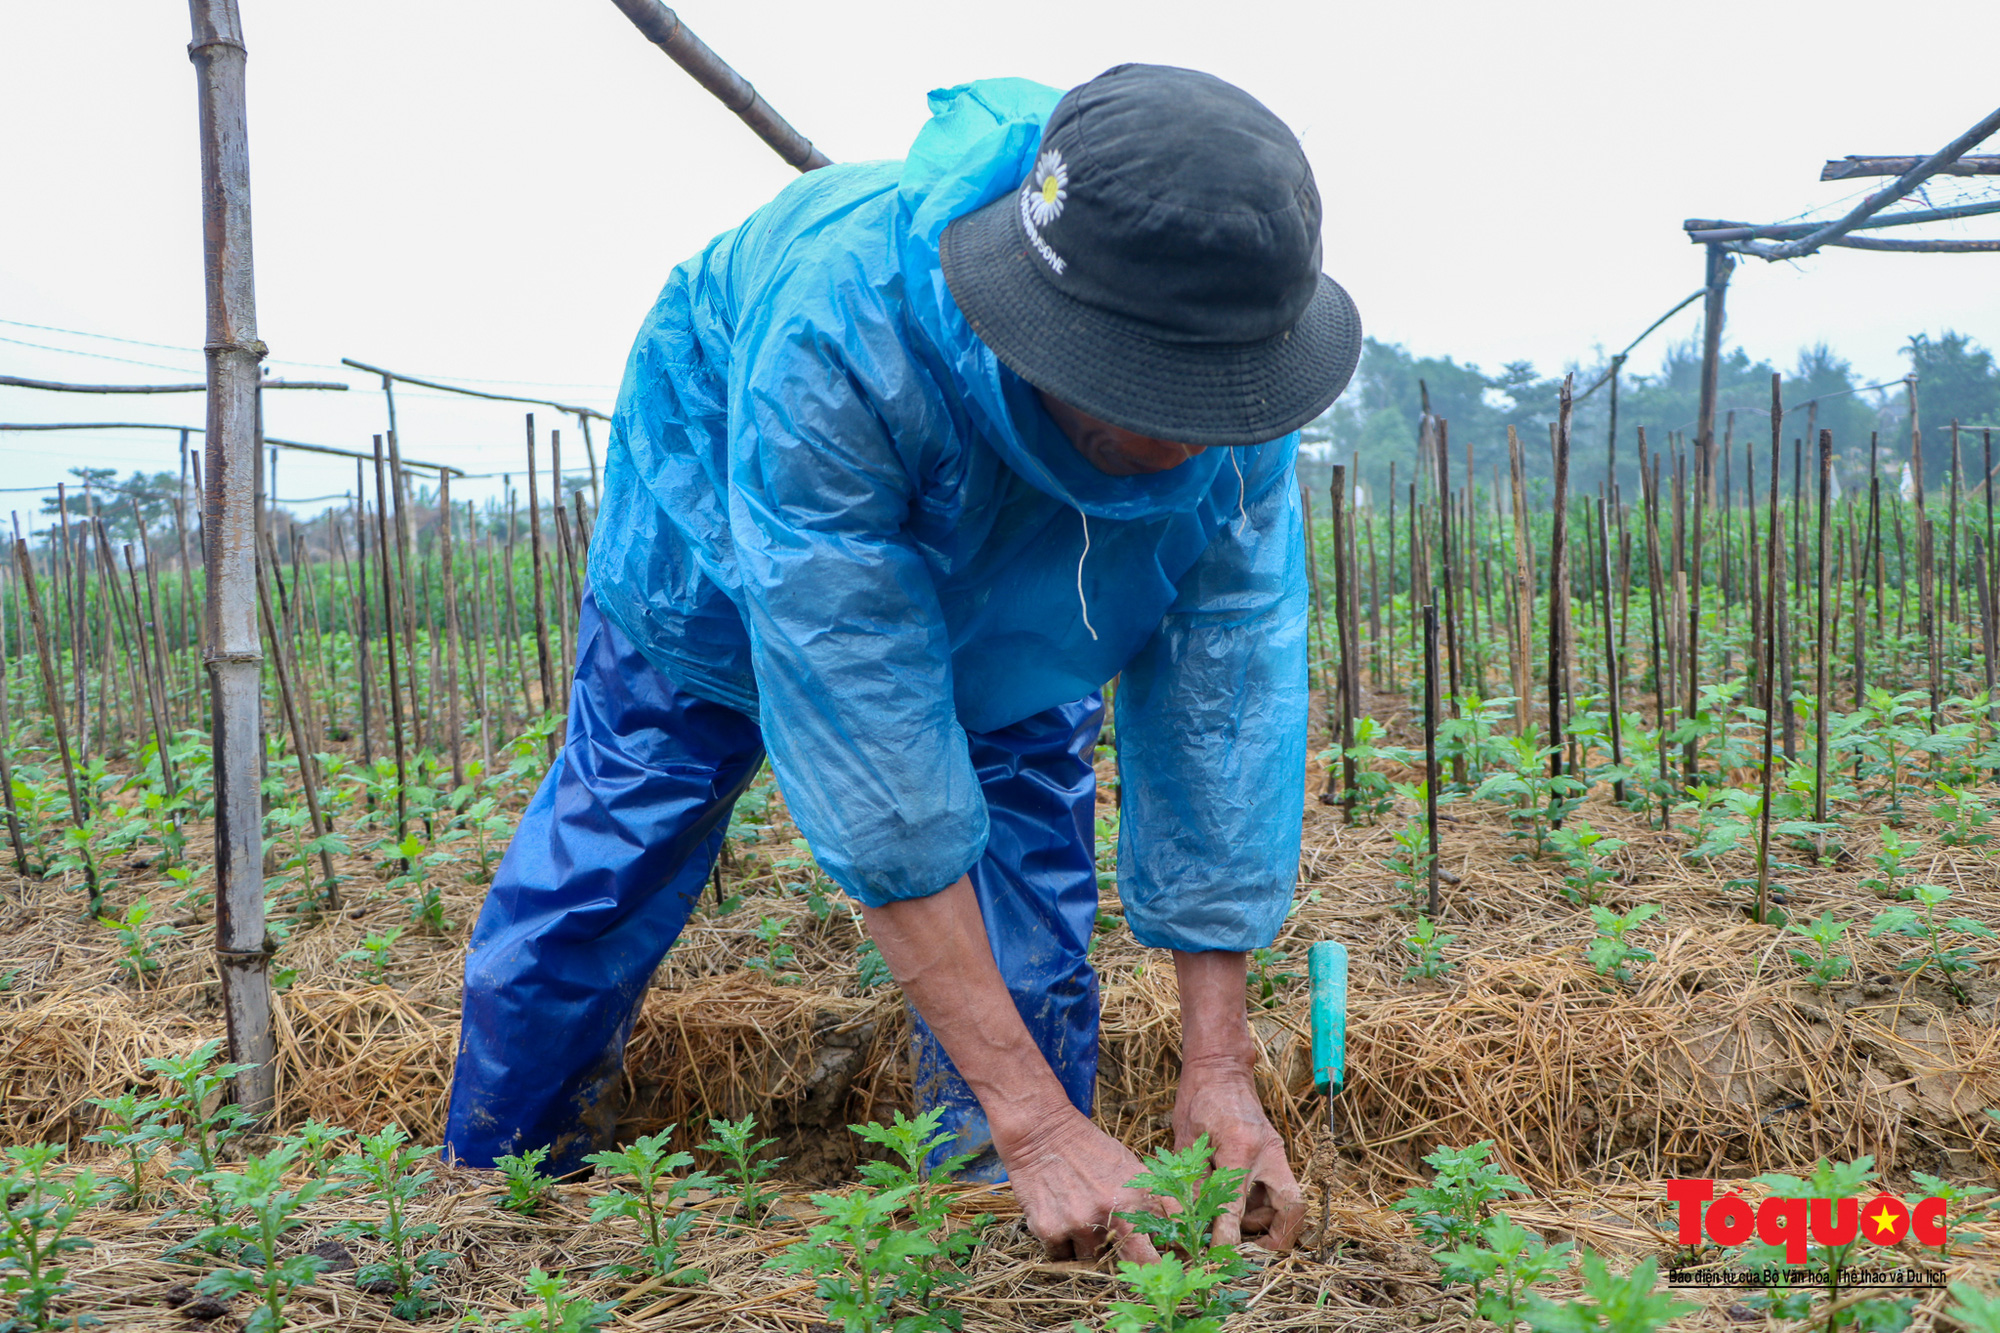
(495, 191)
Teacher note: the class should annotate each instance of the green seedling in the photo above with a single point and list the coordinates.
(137, 1127)
(865, 1266)
(1374, 793)
(810, 881)
(778, 963)
(527, 1187)
(137, 939)
(1427, 942)
(1502, 1263)
(1921, 922)
(1823, 967)
(1541, 800)
(203, 1123)
(1965, 818)
(650, 1166)
(735, 1141)
(386, 1168)
(1963, 1206)
(1890, 870)
(373, 955)
(1188, 1286)
(1611, 1304)
(312, 1143)
(1449, 1211)
(1972, 1309)
(1611, 953)
(262, 1211)
(870, 968)
(1584, 848)
(1411, 865)
(1268, 975)
(1834, 1181)
(421, 892)
(37, 1210)
(559, 1311)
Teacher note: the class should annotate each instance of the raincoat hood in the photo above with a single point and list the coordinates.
(978, 145)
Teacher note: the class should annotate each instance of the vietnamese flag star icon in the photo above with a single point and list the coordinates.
(1885, 1221)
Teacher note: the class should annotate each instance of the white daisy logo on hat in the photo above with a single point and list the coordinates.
(1047, 188)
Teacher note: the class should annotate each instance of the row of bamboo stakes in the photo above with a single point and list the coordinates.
(432, 630)
(1686, 537)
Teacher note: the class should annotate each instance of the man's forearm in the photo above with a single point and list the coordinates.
(938, 951)
(1215, 1017)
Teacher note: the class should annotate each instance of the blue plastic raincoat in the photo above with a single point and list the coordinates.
(830, 506)
(830, 509)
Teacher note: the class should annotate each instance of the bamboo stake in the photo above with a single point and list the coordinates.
(382, 546)
(315, 817)
(455, 721)
(229, 526)
(1558, 583)
(1430, 752)
(1340, 617)
(1612, 666)
(1774, 595)
(541, 608)
(1824, 665)
(1524, 588)
(51, 692)
(6, 756)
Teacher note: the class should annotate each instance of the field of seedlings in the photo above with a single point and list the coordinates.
(1660, 828)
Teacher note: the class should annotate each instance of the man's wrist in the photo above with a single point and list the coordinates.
(1215, 1011)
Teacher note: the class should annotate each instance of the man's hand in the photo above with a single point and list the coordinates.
(1068, 1174)
(1218, 1097)
(1069, 1177)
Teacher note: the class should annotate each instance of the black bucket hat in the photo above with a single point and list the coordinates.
(1159, 268)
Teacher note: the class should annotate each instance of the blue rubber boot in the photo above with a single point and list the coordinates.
(609, 860)
(1037, 888)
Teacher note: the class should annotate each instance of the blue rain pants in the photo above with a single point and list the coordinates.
(612, 855)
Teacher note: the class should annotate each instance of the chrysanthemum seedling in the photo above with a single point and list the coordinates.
(866, 1265)
(559, 1311)
(651, 1167)
(137, 939)
(262, 1211)
(313, 1142)
(1449, 1211)
(736, 1141)
(1611, 953)
(779, 962)
(136, 1126)
(527, 1187)
(194, 1082)
(1584, 848)
(373, 955)
(1502, 1264)
(386, 1167)
(37, 1210)
(1823, 967)
(1965, 818)
(1427, 943)
(1921, 922)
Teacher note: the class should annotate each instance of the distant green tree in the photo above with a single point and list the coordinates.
(1956, 380)
(153, 493)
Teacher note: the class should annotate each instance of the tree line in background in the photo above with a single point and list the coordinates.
(1377, 418)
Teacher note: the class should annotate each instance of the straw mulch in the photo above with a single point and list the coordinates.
(1717, 1060)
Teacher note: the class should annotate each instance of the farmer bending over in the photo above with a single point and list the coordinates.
(904, 469)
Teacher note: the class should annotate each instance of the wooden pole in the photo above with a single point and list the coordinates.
(1773, 597)
(454, 720)
(1823, 667)
(1559, 582)
(1342, 628)
(234, 656)
(1430, 751)
(382, 549)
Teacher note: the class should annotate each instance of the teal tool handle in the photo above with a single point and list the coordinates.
(1326, 964)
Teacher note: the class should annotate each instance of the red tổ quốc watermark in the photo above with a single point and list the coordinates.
(1796, 1224)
